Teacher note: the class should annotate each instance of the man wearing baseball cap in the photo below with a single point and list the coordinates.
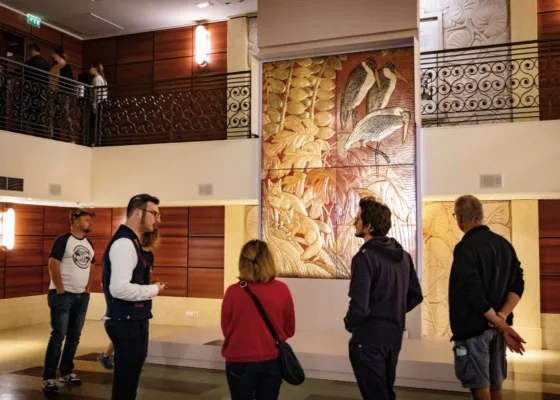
(70, 264)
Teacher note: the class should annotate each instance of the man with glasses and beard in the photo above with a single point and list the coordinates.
(70, 264)
(383, 288)
(129, 294)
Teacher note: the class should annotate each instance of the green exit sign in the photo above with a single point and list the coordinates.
(33, 20)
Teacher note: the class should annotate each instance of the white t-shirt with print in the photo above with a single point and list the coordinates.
(75, 256)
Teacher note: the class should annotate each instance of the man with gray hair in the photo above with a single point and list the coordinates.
(485, 285)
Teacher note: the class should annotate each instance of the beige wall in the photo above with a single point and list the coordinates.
(41, 162)
(523, 20)
(296, 27)
(526, 153)
(24, 311)
(173, 172)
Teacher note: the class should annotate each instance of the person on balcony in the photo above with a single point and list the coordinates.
(70, 262)
(383, 288)
(62, 88)
(35, 89)
(100, 92)
(485, 285)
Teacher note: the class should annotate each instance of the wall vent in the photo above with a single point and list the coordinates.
(205, 189)
(492, 181)
(55, 189)
(12, 184)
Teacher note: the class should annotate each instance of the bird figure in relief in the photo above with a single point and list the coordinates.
(362, 78)
(377, 125)
(378, 96)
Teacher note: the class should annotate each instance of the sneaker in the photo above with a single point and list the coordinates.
(71, 379)
(106, 362)
(49, 385)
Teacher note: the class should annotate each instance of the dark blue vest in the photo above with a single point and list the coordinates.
(120, 309)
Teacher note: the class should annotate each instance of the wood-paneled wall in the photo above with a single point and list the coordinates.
(144, 58)
(549, 239)
(190, 258)
(46, 37)
(548, 22)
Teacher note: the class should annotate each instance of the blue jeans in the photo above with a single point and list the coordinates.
(68, 314)
(254, 380)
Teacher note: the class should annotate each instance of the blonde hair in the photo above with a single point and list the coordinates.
(151, 239)
(256, 263)
(469, 208)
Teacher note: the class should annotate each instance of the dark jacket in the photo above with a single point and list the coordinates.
(40, 77)
(118, 309)
(383, 288)
(485, 269)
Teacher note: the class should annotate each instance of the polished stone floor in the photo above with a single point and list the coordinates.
(22, 352)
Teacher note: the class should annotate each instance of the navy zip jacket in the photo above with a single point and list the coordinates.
(383, 288)
(485, 269)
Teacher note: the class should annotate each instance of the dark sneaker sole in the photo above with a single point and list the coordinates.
(71, 383)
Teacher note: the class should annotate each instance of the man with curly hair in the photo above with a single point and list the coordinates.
(383, 288)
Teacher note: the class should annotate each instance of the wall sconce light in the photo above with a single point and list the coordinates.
(8, 228)
(202, 45)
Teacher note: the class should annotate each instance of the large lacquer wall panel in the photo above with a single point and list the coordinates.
(335, 129)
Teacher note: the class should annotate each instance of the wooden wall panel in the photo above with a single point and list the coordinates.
(550, 294)
(550, 256)
(102, 223)
(14, 20)
(205, 283)
(27, 252)
(548, 5)
(549, 218)
(549, 25)
(206, 253)
(173, 43)
(2, 276)
(135, 48)
(135, 79)
(217, 64)
(174, 221)
(173, 69)
(102, 50)
(29, 219)
(172, 252)
(24, 281)
(96, 284)
(118, 218)
(218, 37)
(74, 49)
(174, 278)
(48, 242)
(46, 279)
(99, 247)
(48, 34)
(57, 221)
(2, 254)
(207, 221)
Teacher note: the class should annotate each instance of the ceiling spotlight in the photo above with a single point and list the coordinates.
(204, 4)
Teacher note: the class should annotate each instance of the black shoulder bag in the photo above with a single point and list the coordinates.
(292, 372)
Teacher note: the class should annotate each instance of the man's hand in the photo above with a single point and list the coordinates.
(60, 290)
(160, 286)
(502, 316)
(514, 342)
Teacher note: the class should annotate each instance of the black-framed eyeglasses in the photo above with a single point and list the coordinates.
(154, 213)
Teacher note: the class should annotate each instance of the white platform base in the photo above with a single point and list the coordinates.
(423, 363)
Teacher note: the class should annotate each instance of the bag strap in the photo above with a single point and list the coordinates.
(259, 306)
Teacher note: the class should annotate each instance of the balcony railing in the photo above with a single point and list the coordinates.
(489, 84)
(38, 103)
(212, 107)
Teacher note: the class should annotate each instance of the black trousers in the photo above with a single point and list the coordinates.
(375, 368)
(254, 380)
(130, 338)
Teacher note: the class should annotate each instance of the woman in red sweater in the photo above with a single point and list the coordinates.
(252, 366)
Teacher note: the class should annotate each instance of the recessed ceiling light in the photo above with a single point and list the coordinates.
(204, 4)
